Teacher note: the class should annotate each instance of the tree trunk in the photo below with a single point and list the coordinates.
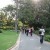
(16, 22)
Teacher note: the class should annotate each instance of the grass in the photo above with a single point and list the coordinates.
(7, 39)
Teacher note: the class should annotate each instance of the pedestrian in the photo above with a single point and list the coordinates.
(41, 32)
(30, 31)
(27, 31)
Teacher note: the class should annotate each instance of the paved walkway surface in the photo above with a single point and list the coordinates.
(32, 43)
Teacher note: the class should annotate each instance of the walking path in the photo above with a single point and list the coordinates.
(32, 43)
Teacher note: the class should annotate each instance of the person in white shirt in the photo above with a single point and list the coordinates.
(42, 30)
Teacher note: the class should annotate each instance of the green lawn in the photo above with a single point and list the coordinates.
(7, 39)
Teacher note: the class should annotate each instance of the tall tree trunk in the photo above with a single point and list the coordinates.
(16, 22)
(17, 6)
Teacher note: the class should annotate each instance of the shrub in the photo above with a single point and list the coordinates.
(8, 28)
(47, 38)
(47, 31)
(0, 31)
(36, 32)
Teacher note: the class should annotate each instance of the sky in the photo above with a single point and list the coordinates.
(4, 3)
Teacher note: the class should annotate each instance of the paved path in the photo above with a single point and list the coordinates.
(32, 43)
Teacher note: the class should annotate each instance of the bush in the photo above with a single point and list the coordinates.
(0, 31)
(8, 28)
(36, 32)
(47, 38)
(47, 31)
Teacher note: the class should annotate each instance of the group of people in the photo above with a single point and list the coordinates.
(28, 31)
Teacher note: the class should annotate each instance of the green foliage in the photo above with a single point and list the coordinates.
(9, 8)
(30, 13)
(43, 20)
(26, 14)
(47, 38)
(0, 31)
(6, 23)
(47, 30)
(36, 32)
(8, 28)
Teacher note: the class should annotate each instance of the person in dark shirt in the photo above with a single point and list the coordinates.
(31, 31)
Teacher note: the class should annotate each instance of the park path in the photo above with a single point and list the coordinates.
(32, 43)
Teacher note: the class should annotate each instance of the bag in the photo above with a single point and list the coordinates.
(39, 32)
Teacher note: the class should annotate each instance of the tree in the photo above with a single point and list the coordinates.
(26, 14)
(31, 13)
(10, 12)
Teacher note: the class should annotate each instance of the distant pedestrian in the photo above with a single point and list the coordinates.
(31, 31)
(27, 31)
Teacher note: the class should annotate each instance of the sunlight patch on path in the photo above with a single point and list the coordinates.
(37, 48)
(31, 39)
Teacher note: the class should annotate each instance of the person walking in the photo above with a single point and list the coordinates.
(31, 31)
(27, 31)
(41, 32)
